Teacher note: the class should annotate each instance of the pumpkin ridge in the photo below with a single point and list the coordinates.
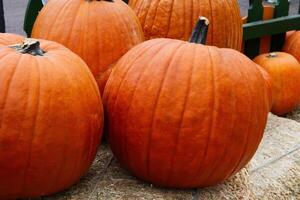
(222, 155)
(90, 75)
(292, 46)
(8, 88)
(259, 137)
(155, 107)
(126, 155)
(246, 146)
(170, 17)
(160, 48)
(106, 98)
(239, 37)
(147, 11)
(184, 22)
(213, 116)
(63, 154)
(132, 98)
(33, 125)
(153, 21)
(182, 117)
(191, 18)
(72, 25)
(54, 20)
(131, 65)
(123, 22)
(211, 22)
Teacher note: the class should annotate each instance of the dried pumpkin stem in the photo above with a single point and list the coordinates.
(29, 46)
(272, 55)
(199, 34)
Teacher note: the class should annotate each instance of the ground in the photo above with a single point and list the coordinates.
(15, 10)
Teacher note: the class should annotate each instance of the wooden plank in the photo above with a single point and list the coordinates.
(255, 13)
(265, 42)
(273, 26)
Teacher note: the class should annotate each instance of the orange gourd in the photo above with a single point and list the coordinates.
(185, 115)
(50, 118)
(176, 19)
(284, 71)
(100, 32)
(292, 45)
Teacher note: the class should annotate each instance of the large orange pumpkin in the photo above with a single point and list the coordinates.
(98, 31)
(50, 118)
(292, 45)
(176, 19)
(284, 70)
(185, 115)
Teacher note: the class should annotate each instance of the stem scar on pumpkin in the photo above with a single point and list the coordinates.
(199, 34)
(272, 55)
(100, 0)
(29, 46)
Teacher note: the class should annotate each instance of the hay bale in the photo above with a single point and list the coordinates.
(272, 174)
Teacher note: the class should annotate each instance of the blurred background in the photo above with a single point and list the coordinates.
(15, 10)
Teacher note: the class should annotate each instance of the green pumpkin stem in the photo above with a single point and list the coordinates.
(29, 46)
(199, 34)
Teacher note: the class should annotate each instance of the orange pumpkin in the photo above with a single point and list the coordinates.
(100, 32)
(284, 70)
(292, 45)
(288, 34)
(176, 19)
(185, 115)
(50, 118)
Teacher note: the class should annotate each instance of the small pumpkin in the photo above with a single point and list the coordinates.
(99, 31)
(284, 71)
(185, 115)
(50, 118)
(176, 19)
(292, 45)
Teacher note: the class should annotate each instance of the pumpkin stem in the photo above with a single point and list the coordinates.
(29, 46)
(272, 55)
(199, 34)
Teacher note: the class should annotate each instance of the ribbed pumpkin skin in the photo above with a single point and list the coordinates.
(10, 39)
(176, 20)
(51, 121)
(292, 45)
(284, 70)
(100, 32)
(184, 115)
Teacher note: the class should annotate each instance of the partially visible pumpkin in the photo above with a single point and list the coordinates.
(51, 118)
(292, 45)
(185, 115)
(288, 34)
(269, 84)
(176, 19)
(98, 31)
(284, 70)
